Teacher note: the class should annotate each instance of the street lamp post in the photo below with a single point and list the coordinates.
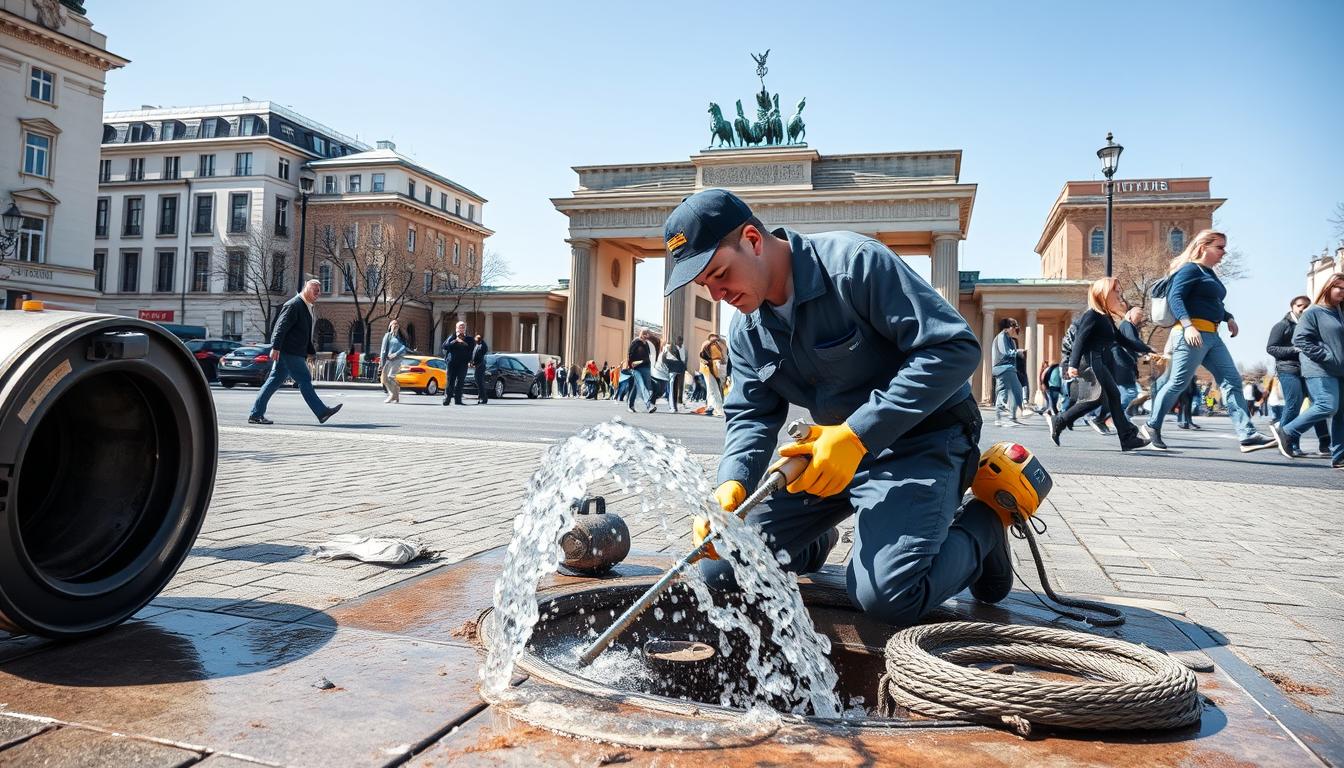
(306, 179)
(1110, 160)
(9, 238)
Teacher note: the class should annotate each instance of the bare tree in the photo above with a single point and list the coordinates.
(1337, 221)
(256, 264)
(459, 286)
(375, 267)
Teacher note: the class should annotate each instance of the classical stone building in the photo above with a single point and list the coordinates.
(53, 68)
(914, 202)
(196, 218)
(1322, 267)
(389, 237)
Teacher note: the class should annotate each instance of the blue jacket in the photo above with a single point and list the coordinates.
(392, 348)
(1196, 292)
(872, 345)
(1320, 336)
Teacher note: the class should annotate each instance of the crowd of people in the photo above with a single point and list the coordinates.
(1097, 378)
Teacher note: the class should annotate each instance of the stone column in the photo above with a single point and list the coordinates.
(516, 332)
(674, 307)
(488, 333)
(1030, 335)
(582, 263)
(543, 331)
(944, 274)
(987, 353)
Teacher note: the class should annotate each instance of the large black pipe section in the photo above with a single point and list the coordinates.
(108, 447)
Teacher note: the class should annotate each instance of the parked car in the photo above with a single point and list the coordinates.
(425, 374)
(532, 360)
(208, 353)
(505, 374)
(245, 365)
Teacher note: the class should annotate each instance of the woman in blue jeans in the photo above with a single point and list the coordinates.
(1196, 295)
(1320, 337)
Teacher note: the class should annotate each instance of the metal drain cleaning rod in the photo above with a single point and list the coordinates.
(777, 477)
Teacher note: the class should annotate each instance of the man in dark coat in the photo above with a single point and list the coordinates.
(1125, 362)
(1288, 369)
(291, 344)
(478, 354)
(456, 350)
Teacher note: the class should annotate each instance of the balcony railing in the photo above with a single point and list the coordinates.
(131, 230)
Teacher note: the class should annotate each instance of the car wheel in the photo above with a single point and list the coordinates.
(534, 391)
(499, 388)
(432, 388)
(228, 384)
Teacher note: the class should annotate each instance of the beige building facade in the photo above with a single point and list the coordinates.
(53, 69)
(914, 202)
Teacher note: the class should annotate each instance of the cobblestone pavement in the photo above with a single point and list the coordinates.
(1258, 565)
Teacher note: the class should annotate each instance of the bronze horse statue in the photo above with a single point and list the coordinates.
(746, 132)
(718, 127)
(797, 128)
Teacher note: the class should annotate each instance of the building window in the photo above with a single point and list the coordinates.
(247, 125)
(376, 234)
(287, 131)
(329, 185)
(438, 249)
(137, 171)
(1176, 239)
(356, 333)
(410, 186)
(238, 212)
(172, 167)
(1097, 246)
(457, 253)
(348, 277)
(163, 272)
(704, 310)
(132, 226)
(99, 269)
(100, 219)
(613, 307)
(242, 164)
(283, 171)
(104, 171)
(32, 240)
(429, 281)
(36, 154)
(206, 166)
(354, 182)
(471, 211)
(233, 325)
(443, 202)
(429, 194)
(324, 277)
(205, 208)
(457, 206)
(141, 132)
(471, 256)
(326, 335)
(170, 130)
(209, 127)
(277, 272)
(410, 239)
(168, 215)
(200, 271)
(234, 272)
(41, 85)
(320, 145)
(130, 272)
(281, 217)
(372, 279)
(378, 181)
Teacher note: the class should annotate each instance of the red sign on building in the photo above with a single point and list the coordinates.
(157, 315)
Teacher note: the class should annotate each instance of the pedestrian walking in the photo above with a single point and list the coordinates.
(1125, 358)
(1288, 370)
(897, 445)
(591, 377)
(640, 360)
(390, 352)
(562, 378)
(1195, 295)
(1007, 385)
(659, 375)
(1091, 349)
(1320, 339)
(674, 360)
(1274, 399)
(291, 344)
(711, 369)
(456, 350)
(548, 384)
(479, 349)
(1052, 384)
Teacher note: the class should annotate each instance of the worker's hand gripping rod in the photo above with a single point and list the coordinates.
(777, 477)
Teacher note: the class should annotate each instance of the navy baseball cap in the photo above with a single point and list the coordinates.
(693, 231)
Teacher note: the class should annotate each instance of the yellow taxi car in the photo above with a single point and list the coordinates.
(423, 373)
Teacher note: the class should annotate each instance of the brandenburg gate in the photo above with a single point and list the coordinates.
(913, 202)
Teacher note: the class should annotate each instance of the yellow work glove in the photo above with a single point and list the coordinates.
(834, 454)
(729, 495)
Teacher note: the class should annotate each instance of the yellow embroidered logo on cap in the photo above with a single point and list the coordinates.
(676, 242)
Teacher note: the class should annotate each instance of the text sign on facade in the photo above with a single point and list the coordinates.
(1147, 185)
(157, 315)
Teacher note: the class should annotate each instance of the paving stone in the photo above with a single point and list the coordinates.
(68, 747)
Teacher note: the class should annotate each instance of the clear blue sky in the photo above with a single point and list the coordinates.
(506, 97)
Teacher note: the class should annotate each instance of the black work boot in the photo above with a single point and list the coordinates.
(996, 570)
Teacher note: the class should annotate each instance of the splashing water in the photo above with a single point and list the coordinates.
(669, 481)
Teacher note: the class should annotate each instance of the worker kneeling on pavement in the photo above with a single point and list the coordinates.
(838, 324)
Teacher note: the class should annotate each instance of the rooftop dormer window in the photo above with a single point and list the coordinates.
(140, 132)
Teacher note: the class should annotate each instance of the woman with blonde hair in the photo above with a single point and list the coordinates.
(1195, 295)
(1320, 337)
(1093, 338)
